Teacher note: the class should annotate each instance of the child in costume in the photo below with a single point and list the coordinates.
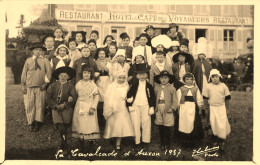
(181, 65)
(107, 41)
(85, 122)
(112, 49)
(184, 47)
(74, 53)
(93, 48)
(58, 40)
(218, 97)
(119, 65)
(80, 38)
(102, 83)
(166, 104)
(125, 45)
(140, 101)
(61, 57)
(34, 79)
(118, 122)
(94, 35)
(174, 49)
(85, 60)
(143, 39)
(190, 103)
(61, 97)
(201, 68)
(139, 59)
(161, 43)
(48, 43)
(159, 66)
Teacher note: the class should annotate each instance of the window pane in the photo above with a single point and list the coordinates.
(231, 33)
(225, 38)
(231, 39)
(225, 33)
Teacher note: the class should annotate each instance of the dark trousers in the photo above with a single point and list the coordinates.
(165, 135)
(101, 119)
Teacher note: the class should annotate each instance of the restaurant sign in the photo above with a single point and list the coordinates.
(148, 18)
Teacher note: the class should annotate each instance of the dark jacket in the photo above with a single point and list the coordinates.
(149, 93)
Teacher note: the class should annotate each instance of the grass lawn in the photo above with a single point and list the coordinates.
(42, 145)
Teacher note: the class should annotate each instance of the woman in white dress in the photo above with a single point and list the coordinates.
(118, 122)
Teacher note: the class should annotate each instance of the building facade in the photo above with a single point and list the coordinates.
(226, 27)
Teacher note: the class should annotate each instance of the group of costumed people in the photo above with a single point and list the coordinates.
(116, 92)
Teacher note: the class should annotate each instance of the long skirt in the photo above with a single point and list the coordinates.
(219, 121)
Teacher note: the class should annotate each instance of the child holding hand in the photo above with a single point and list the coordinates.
(140, 101)
(190, 103)
(61, 96)
(118, 122)
(166, 104)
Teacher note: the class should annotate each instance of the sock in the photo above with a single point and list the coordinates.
(167, 134)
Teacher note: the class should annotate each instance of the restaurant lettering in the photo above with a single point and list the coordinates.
(149, 18)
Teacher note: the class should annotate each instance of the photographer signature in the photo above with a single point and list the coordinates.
(207, 152)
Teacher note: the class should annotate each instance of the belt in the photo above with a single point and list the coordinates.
(189, 99)
(103, 73)
(161, 102)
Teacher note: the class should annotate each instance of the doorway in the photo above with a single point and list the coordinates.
(115, 32)
(200, 33)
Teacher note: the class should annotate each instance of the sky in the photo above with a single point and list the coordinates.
(14, 11)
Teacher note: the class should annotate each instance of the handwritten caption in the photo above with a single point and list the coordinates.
(207, 152)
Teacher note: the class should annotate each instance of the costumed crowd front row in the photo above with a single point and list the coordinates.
(112, 94)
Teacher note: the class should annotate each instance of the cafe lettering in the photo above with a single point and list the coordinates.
(149, 18)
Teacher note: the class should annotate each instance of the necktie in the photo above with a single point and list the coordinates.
(60, 94)
(36, 63)
(145, 55)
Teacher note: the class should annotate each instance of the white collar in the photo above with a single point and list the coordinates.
(62, 58)
(140, 82)
(38, 56)
(160, 64)
(187, 86)
(58, 39)
(50, 49)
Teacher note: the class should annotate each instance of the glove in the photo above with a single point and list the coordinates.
(131, 109)
(129, 100)
(91, 111)
(170, 110)
(43, 87)
(70, 99)
(151, 111)
(96, 74)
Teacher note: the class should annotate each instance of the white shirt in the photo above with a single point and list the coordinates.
(45, 78)
(162, 94)
(141, 98)
(182, 72)
(160, 66)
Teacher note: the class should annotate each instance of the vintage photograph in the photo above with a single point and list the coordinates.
(154, 82)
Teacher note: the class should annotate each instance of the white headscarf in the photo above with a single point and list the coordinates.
(113, 96)
(214, 72)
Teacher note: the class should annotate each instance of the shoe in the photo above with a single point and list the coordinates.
(167, 147)
(162, 147)
(36, 127)
(118, 147)
(31, 127)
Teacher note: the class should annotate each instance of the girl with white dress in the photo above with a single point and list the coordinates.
(218, 97)
(118, 122)
(85, 122)
(190, 102)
